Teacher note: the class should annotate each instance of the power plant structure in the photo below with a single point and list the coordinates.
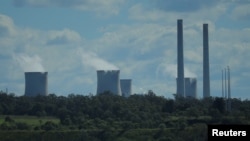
(229, 91)
(36, 83)
(227, 94)
(222, 83)
(191, 87)
(180, 63)
(108, 81)
(182, 89)
(206, 77)
(126, 87)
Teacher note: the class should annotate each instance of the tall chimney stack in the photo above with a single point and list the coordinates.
(206, 77)
(222, 83)
(180, 64)
(225, 83)
(229, 90)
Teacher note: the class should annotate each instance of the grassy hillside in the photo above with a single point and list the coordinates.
(30, 120)
(157, 134)
(107, 117)
(8, 122)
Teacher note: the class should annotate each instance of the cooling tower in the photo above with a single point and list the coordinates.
(108, 80)
(206, 78)
(180, 63)
(191, 87)
(36, 83)
(126, 87)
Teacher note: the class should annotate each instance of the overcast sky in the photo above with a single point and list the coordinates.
(71, 39)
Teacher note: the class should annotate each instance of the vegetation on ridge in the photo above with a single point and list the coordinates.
(112, 117)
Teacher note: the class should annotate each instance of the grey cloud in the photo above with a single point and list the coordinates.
(63, 37)
(22, 3)
(58, 40)
(184, 5)
(47, 3)
(100, 6)
(193, 5)
(241, 1)
(3, 31)
(241, 12)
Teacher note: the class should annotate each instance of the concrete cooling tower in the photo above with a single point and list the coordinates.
(36, 83)
(126, 87)
(191, 87)
(108, 80)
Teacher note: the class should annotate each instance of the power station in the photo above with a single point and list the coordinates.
(227, 95)
(126, 87)
(36, 83)
(180, 62)
(108, 81)
(206, 77)
(191, 87)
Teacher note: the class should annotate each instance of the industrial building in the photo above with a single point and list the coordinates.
(191, 87)
(126, 87)
(180, 63)
(36, 83)
(206, 76)
(108, 81)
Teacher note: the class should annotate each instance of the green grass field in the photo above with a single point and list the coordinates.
(30, 120)
(67, 134)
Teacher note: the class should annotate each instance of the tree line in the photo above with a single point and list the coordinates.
(111, 112)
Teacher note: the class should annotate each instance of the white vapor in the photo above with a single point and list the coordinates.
(171, 70)
(29, 63)
(91, 59)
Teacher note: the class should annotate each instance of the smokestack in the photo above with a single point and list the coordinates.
(222, 84)
(226, 98)
(225, 83)
(229, 90)
(206, 77)
(180, 64)
(108, 80)
(126, 87)
(191, 87)
(36, 83)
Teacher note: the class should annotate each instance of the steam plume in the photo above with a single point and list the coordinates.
(29, 63)
(91, 59)
(171, 70)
